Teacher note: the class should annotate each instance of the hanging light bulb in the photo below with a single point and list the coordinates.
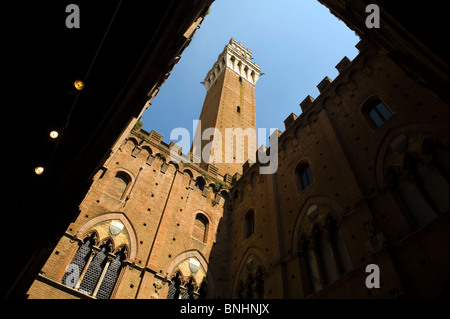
(54, 134)
(39, 170)
(79, 85)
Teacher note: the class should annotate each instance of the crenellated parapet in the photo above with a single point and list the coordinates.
(237, 58)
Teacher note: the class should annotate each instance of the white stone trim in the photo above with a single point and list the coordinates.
(237, 58)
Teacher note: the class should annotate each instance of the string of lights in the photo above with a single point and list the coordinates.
(79, 85)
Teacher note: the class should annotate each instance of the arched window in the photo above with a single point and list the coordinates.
(323, 256)
(303, 176)
(119, 185)
(249, 224)
(377, 112)
(200, 231)
(93, 270)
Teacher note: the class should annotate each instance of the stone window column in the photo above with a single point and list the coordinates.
(97, 287)
(86, 267)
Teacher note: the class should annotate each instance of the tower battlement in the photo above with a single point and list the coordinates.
(237, 58)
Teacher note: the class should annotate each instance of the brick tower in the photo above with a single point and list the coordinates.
(229, 107)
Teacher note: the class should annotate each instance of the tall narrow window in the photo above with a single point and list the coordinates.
(119, 185)
(238, 109)
(95, 270)
(200, 231)
(78, 263)
(377, 112)
(249, 224)
(111, 275)
(304, 176)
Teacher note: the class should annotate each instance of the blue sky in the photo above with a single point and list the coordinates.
(295, 42)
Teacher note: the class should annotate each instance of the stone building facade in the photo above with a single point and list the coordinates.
(362, 179)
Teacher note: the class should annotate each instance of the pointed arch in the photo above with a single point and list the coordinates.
(251, 255)
(335, 209)
(432, 129)
(84, 229)
(320, 246)
(171, 268)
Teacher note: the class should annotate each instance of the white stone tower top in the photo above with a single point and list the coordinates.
(237, 58)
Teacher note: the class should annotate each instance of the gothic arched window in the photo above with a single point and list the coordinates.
(94, 271)
(323, 256)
